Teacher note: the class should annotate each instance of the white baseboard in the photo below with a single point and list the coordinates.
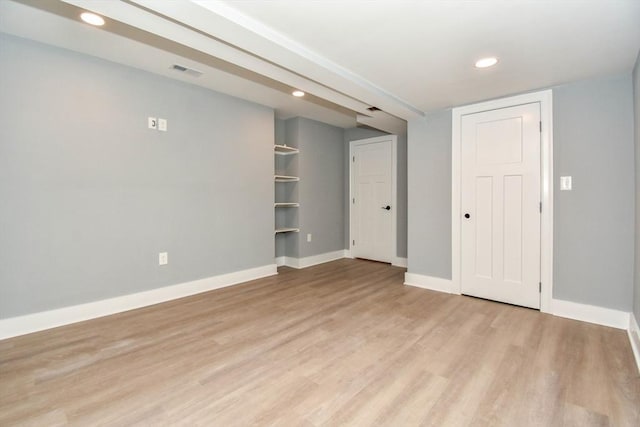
(590, 313)
(428, 282)
(399, 262)
(312, 260)
(634, 338)
(29, 323)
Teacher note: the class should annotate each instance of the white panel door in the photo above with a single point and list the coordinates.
(500, 185)
(371, 204)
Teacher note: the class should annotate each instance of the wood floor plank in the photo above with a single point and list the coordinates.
(342, 343)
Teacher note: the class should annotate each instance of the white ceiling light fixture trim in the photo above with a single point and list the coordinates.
(297, 93)
(92, 19)
(486, 62)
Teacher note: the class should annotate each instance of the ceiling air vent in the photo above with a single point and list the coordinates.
(186, 70)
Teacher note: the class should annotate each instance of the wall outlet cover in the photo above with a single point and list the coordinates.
(162, 125)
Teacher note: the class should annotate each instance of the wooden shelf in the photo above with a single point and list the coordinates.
(284, 150)
(287, 230)
(286, 178)
(287, 205)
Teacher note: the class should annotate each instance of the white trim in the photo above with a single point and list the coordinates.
(399, 262)
(311, 260)
(431, 283)
(634, 338)
(29, 323)
(590, 313)
(394, 188)
(545, 98)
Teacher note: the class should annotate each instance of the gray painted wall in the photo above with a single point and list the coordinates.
(593, 224)
(636, 120)
(429, 164)
(321, 187)
(90, 196)
(354, 134)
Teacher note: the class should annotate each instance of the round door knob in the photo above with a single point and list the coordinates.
(387, 208)
(467, 216)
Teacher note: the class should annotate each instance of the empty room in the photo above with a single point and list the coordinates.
(320, 213)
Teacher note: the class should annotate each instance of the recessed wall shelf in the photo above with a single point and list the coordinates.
(286, 218)
(284, 150)
(287, 230)
(286, 178)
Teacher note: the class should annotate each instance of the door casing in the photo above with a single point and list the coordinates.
(394, 192)
(545, 98)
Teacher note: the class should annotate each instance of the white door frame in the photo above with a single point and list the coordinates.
(545, 98)
(394, 193)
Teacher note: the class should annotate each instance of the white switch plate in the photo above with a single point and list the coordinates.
(163, 258)
(565, 183)
(162, 125)
(153, 123)
(309, 237)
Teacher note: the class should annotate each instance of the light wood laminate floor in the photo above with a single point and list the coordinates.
(343, 343)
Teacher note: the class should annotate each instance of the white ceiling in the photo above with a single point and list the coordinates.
(405, 57)
(423, 51)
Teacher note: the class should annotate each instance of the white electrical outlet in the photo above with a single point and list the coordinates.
(309, 237)
(153, 123)
(163, 258)
(162, 125)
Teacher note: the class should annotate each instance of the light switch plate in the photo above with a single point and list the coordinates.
(162, 125)
(309, 237)
(163, 258)
(153, 123)
(565, 183)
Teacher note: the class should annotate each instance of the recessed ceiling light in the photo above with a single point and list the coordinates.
(486, 62)
(297, 93)
(92, 18)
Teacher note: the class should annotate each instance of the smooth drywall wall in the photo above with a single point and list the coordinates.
(636, 120)
(429, 167)
(280, 163)
(593, 223)
(90, 196)
(354, 134)
(321, 187)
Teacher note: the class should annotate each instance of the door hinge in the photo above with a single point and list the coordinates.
(354, 159)
(540, 126)
(540, 207)
(540, 287)
(354, 200)
(353, 242)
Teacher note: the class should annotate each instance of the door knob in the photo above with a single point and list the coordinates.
(467, 216)
(387, 208)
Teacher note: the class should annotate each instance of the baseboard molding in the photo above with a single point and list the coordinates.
(428, 282)
(590, 313)
(29, 323)
(399, 262)
(312, 260)
(634, 338)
